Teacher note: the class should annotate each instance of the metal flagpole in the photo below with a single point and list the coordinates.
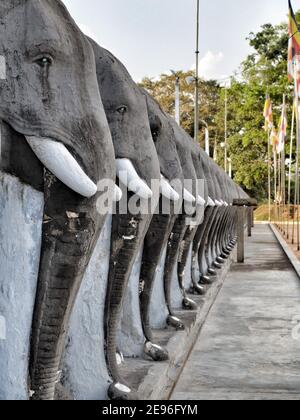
(279, 187)
(275, 184)
(197, 75)
(225, 124)
(269, 172)
(282, 170)
(283, 191)
(297, 167)
(177, 100)
(290, 169)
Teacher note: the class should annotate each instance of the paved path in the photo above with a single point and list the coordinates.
(246, 348)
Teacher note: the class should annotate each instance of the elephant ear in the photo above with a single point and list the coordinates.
(9, 12)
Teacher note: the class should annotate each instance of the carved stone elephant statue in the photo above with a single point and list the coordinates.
(55, 140)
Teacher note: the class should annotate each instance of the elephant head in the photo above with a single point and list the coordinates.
(163, 221)
(197, 229)
(183, 145)
(50, 98)
(48, 94)
(201, 236)
(137, 165)
(163, 137)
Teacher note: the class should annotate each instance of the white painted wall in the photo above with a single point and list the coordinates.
(21, 213)
(158, 308)
(131, 337)
(84, 373)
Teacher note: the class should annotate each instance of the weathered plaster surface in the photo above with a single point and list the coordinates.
(188, 270)
(21, 214)
(176, 295)
(85, 375)
(158, 308)
(131, 336)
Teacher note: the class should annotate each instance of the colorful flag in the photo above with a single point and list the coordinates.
(282, 130)
(274, 141)
(294, 50)
(268, 114)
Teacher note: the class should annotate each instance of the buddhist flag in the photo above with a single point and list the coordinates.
(274, 141)
(268, 114)
(282, 130)
(294, 50)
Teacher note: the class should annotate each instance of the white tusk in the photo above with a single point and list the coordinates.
(117, 194)
(201, 201)
(188, 197)
(167, 191)
(218, 203)
(210, 202)
(58, 160)
(129, 177)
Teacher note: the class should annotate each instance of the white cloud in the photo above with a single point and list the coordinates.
(210, 66)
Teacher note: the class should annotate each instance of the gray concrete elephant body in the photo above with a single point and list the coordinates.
(51, 102)
(201, 237)
(137, 166)
(163, 221)
(182, 222)
(186, 261)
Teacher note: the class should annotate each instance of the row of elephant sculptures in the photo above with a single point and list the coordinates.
(71, 116)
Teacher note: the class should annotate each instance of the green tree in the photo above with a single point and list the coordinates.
(264, 71)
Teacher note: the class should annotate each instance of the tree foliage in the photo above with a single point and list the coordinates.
(264, 71)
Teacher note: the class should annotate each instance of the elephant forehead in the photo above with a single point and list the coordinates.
(2, 68)
(40, 25)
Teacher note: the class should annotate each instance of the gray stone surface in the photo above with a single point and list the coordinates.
(188, 270)
(141, 374)
(289, 252)
(158, 308)
(131, 337)
(21, 214)
(85, 375)
(176, 295)
(248, 348)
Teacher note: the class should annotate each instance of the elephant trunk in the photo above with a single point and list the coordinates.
(200, 238)
(70, 230)
(154, 245)
(205, 242)
(182, 264)
(128, 234)
(174, 242)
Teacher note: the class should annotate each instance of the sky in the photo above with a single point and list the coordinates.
(151, 37)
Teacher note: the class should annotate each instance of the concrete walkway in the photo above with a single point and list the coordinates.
(248, 347)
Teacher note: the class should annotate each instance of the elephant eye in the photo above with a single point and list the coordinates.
(155, 134)
(122, 109)
(44, 61)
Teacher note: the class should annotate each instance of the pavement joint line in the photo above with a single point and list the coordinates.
(289, 253)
